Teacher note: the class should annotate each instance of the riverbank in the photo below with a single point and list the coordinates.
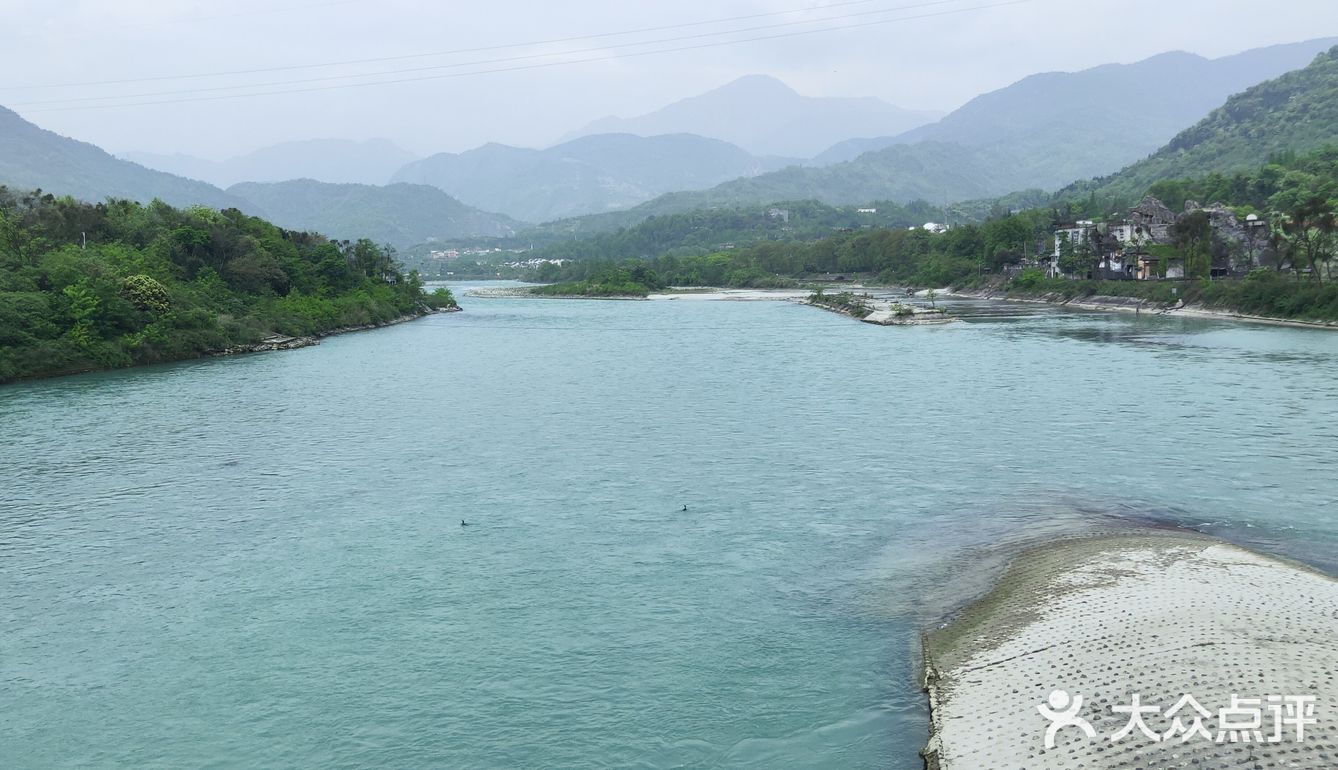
(1155, 615)
(527, 292)
(284, 342)
(274, 342)
(1136, 304)
(671, 293)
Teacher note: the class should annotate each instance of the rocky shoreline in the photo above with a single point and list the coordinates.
(284, 342)
(1108, 303)
(885, 313)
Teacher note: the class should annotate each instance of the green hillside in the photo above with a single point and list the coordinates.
(702, 231)
(33, 158)
(86, 286)
(1296, 112)
(399, 214)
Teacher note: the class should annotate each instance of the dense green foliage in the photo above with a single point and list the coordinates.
(1266, 293)
(633, 280)
(1296, 112)
(892, 255)
(155, 283)
(1286, 181)
(1263, 293)
(708, 230)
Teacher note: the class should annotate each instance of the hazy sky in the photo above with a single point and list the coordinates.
(936, 61)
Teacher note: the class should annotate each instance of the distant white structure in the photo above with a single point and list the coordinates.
(934, 227)
(535, 263)
(1075, 235)
(866, 211)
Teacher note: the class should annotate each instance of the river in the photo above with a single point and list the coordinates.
(258, 561)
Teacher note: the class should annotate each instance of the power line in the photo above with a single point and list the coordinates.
(542, 65)
(254, 12)
(482, 62)
(403, 57)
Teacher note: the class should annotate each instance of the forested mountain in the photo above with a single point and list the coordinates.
(1043, 132)
(325, 160)
(399, 214)
(34, 158)
(93, 286)
(1060, 126)
(766, 117)
(1296, 112)
(704, 230)
(586, 175)
(934, 172)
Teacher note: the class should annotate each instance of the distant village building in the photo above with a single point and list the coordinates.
(1073, 236)
(866, 211)
(934, 227)
(781, 214)
(1130, 235)
(1120, 249)
(1155, 219)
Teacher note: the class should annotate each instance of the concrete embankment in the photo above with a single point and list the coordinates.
(1083, 632)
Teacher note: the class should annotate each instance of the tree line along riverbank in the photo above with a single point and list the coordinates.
(98, 286)
(1296, 196)
(1262, 294)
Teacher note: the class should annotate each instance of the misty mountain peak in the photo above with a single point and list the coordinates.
(756, 85)
(765, 116)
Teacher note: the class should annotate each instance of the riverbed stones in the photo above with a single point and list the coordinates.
(1159, 616)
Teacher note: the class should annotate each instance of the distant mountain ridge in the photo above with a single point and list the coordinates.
(1062, 126)
(326, 160)
(1295, 112)
(399, 214)
(1042, 132)
(584, 176)
(766, 117)
(33, 157)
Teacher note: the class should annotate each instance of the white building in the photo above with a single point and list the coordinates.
(1075, 235)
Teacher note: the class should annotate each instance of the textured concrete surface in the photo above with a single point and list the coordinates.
(1157, 615)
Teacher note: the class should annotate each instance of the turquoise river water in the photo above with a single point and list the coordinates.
(258, 561)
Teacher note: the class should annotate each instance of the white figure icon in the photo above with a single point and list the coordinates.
(1062, 711)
